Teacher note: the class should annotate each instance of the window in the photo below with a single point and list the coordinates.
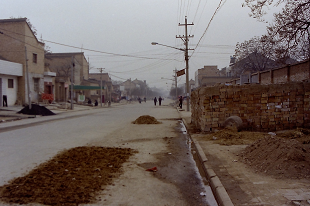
(34, 58)
(10, 83)
(36, 84)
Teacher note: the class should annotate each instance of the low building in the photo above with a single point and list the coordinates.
(10, 72)
(209, 76)
(60, 63)
(20, 45)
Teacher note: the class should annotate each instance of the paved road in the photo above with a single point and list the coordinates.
(176, 183)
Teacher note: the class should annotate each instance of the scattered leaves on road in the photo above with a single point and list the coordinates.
(72, 177)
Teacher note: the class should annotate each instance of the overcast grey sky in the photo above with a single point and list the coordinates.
(126, 28)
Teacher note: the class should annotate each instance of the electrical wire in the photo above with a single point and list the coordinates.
(109, 53)
(216, 10)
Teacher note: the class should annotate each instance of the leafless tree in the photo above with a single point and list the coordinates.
(289, 32)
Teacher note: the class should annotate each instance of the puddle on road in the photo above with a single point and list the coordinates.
(210, 199)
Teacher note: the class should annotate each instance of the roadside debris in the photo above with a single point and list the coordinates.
(36, 110)
(153, 169)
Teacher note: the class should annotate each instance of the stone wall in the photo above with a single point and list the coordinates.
(261, 107)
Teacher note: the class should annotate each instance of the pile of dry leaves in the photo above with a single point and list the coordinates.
(73, 177)
(146, 119)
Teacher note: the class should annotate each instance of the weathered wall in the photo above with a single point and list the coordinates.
(290, 73)
(261, 107)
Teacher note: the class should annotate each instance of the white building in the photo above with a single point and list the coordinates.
(9, 73)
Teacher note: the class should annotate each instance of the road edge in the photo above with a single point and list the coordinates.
(217, 187)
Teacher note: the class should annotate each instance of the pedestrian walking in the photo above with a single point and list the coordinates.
(180, 102)
(159, 100)
(155, 100)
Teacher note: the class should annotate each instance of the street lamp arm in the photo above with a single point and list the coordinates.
(155, 43)
(167, 78)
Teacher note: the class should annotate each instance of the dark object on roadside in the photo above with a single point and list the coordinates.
(96, 103)
(36, 110)
(153, 169)
(89, 101)
(233, 122)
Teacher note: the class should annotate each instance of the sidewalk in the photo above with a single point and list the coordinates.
(9, 118)
(233, 183)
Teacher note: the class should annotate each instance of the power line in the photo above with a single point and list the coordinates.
(216, 10)
(110, 53)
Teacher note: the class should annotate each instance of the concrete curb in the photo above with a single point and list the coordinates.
(217, 187)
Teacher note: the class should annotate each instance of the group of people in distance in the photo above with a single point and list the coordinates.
(160, 99)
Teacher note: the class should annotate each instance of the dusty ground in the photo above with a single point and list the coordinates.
(260, 168)
(286, 154)
(73, 177)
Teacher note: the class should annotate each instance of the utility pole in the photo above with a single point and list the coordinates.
(72, 66)
(176, 84)
(185, 40)
(101, 87)
(27, 76)
(130, 89)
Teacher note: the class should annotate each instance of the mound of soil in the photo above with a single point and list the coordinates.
(300, 134)
(71, 178)
(146, 119)
(36, 110)
(230, 136)
(279, 157)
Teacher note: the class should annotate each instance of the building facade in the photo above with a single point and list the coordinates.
(9, 74)
(20, 45)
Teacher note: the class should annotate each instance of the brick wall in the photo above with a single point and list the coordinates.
(290, 73)
(261, 107)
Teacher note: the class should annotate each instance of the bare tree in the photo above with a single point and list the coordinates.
(290, 31)
(254, 55)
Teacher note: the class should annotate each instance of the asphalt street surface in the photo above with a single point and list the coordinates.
(165, 146)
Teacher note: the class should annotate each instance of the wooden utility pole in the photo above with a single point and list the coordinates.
(185, 40)
(28, 82)
(72, 66)
(101, 87)
(176, 84)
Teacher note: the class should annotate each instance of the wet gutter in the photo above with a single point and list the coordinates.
(207, 172)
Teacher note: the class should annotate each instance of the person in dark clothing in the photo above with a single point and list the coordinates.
(180, 102)
(5, 101)
(155, 100)
(96, 103)
(159, 100)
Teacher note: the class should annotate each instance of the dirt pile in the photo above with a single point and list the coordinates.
(36, 110)
(279, 157)
(73, 177)
(230, 136)
(146, 119)
(300, 134)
